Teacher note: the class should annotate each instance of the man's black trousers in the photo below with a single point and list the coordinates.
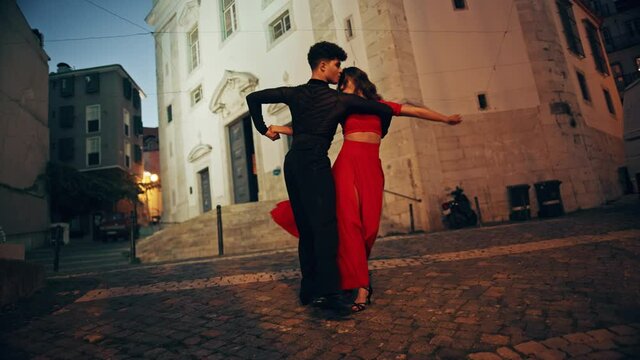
(307, 172)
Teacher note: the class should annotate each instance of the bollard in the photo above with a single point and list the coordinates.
(475, 198)
(220, 243)
(132, 249)
(413, 227)
(57, 238)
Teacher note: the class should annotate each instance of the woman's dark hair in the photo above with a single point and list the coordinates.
(361, 82)
(325, 50)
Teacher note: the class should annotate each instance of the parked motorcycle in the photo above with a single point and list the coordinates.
(457, 213)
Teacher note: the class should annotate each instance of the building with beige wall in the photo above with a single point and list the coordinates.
(528, 76)
(621, 36)
(96, 125)
(24, 130)
(632, 132)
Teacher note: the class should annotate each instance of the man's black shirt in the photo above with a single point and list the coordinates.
(316, 109)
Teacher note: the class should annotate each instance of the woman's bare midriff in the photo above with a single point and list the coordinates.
(367, 137)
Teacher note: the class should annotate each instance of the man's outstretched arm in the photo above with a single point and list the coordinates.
(357, 105)
(267, 96)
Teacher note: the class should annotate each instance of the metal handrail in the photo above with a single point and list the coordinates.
(412, 225)
(402, 196)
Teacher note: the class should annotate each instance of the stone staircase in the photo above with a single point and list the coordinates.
(246, 228)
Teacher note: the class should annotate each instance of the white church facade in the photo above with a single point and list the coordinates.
(536, 98)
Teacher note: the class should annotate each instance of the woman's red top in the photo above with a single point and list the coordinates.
(366, 122)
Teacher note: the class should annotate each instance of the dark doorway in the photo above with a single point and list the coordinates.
(243, 161)
(205, 190)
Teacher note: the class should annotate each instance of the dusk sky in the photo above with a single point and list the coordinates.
(88, 33)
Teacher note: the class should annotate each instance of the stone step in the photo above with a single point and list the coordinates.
(246, 228)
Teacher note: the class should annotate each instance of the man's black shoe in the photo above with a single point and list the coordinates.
(305, 298)
(332, 302)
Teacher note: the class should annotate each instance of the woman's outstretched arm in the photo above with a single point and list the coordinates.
(428, 114)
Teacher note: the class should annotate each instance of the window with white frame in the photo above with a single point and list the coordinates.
(280, 25)
(229, 18)
(196, 95)
(127, 154)
(194, 49)
(348, 27)
(92, 115)
(93, 151)
(126, 119)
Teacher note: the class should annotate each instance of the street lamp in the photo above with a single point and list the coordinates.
(149, 181)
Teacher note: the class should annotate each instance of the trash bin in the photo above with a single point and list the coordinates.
(65, 231)
(549, 199)
(519, 202)
(625, 180)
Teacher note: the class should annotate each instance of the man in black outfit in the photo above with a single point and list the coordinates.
(316, 110)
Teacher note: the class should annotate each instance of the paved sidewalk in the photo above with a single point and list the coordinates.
(554, 289)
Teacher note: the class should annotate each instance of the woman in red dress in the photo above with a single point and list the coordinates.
(359, 182)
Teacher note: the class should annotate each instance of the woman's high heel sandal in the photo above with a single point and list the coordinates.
(357, 307)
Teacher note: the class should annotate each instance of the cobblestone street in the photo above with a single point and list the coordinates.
(561, 288)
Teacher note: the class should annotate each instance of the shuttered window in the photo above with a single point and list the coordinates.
(569, 26)
(92, 83)
(65, 149)
(67, 86)
(66, 117)
(596, 47)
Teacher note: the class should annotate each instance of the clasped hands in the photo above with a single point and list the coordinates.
(272, 134)
(274, 131)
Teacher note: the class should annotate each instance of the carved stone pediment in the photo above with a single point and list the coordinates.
(229, 96)
(198, 152)
(189, 14)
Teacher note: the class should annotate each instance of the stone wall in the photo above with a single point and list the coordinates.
(393, 70)
(322, 20)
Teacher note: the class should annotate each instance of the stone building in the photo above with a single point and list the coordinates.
(24, 130)
(96, 124)
(621, 36)
(529, 78)
(151, 160)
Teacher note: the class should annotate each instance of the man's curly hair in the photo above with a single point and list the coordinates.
(325, 50)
